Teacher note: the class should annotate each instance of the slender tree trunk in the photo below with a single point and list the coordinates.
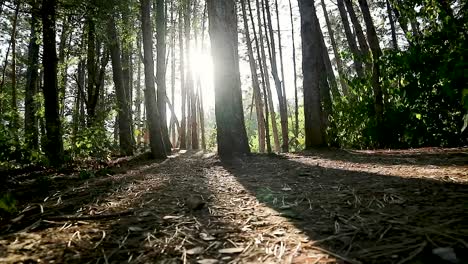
(279, 90)
(266, 80)
(330, 75)
(93, 92)
(174, 133)
(376, 54)
(152, 114)
(54, 143)
(255, 84)
(363, 46)
(63, 63)
(14, 103)
(161, 70)
(339, 62)
(312, 71)
(193, 126)
(351, 39)
(80, 79)
(296, 101)
(231, 134)
(183, 91)
(30, 107)
(280, 49)
(392, 25)
(127, 65)
(139, 97)
(124, 122)
(2, 81)
(200, 90)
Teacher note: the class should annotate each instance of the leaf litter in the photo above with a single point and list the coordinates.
(312, 207)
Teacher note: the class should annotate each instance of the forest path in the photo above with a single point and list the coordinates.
(320, 207)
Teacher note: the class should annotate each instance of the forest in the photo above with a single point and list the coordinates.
(233, 131)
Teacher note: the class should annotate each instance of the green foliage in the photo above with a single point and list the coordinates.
(425, 86)
(7, 204)
(92, 142)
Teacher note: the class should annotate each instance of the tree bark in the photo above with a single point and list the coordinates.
(231, 134)
(30, 107)
(93, 91)
(161, 70)
(392, 25)
(123, 111)
(54, 143)
(14, 102)
(266, 80)
(279, 90)
(296, 99)
(255, 84)
(363, 46)
(376, 54)
(351, 40)
(63, 63)
(152, 114)
(339, 62)
(312, 70)
(138, 96)
(280, 49)
(183, 91)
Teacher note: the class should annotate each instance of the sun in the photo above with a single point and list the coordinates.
(201, 65)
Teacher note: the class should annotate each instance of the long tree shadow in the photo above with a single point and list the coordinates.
(429, 156)
(349, 214)
(161, 226)
(359, 215)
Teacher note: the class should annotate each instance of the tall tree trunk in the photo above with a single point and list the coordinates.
(351, 40)
(127, 65)
(14, 101)
(63, 63)
(376, 54)
(173, 72)
(265, 79)
(152, 114)
(363, 46)
(138, 97)
(93, 92)
(231, 134)
(54, 143)
(193, 125)
(30, 120)
(339, 62)
(280, 49)
(392, 25)
(123, 112)
(2, 81)
(183, 91)
(255, 84)
(312, 68)
(330, 75)
(296, 101)
(161, 70)
(200, 90)
(279, 90)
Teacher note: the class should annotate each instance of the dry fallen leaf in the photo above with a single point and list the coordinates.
(135, 228)
(195, 251)
(207, 237)
(231, 250)
(207, 261)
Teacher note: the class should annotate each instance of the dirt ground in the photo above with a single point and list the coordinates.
(315, 207)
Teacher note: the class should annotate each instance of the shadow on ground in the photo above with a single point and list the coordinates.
(362, 216)
(258, 209)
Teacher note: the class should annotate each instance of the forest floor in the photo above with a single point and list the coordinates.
(327, 206)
